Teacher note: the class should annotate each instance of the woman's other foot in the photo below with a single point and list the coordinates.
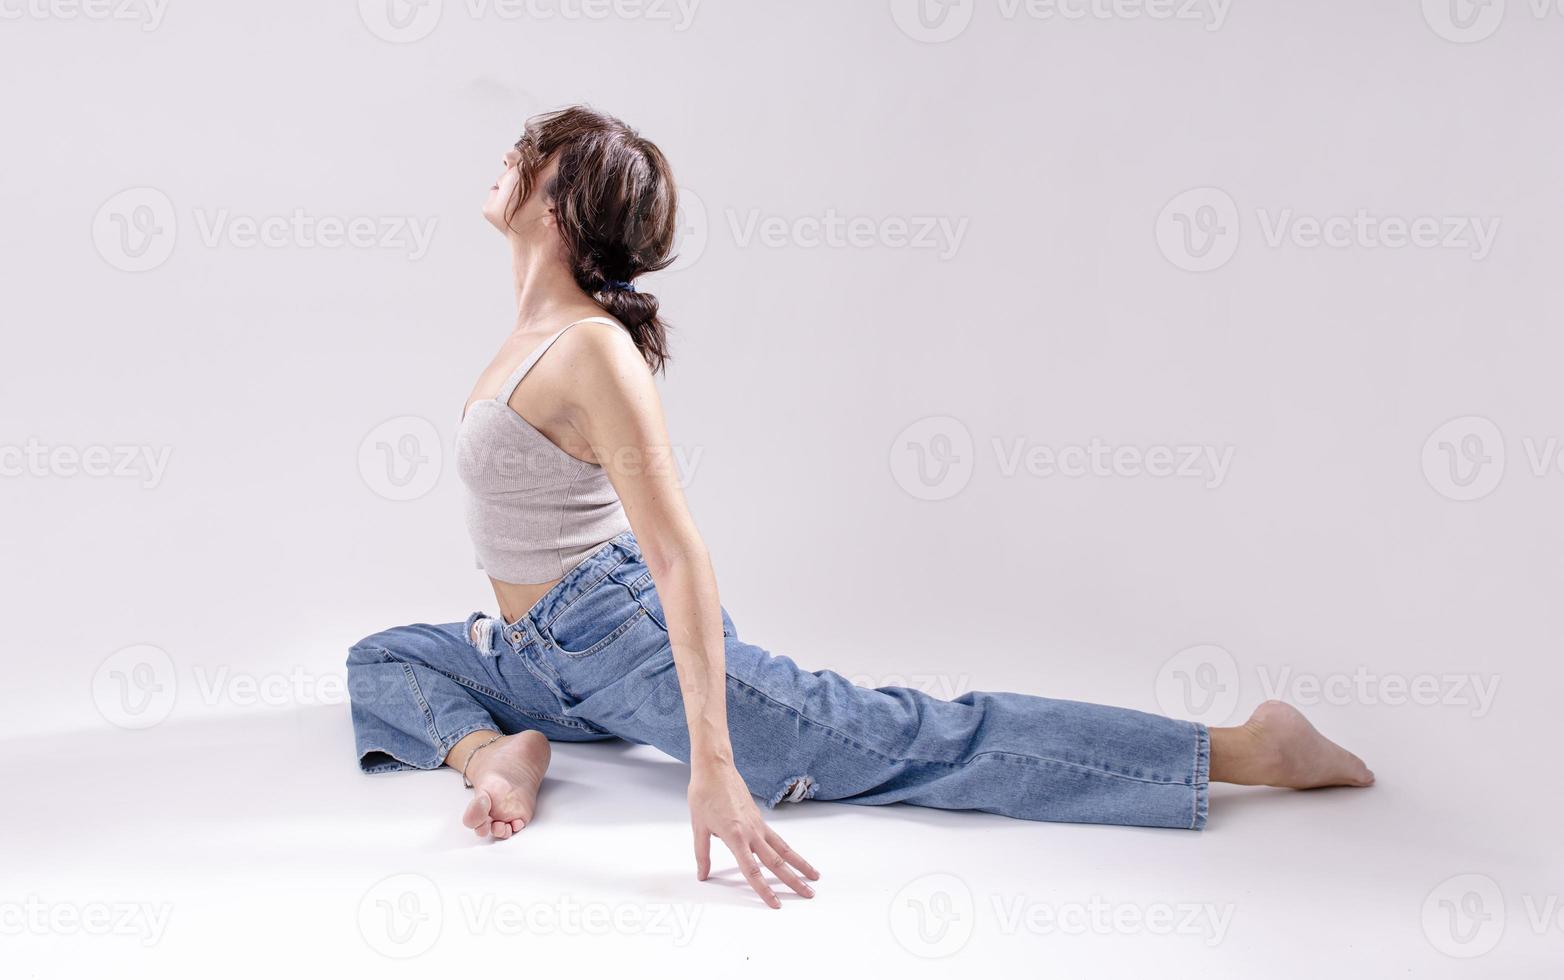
(505, 777)
(1278, 747)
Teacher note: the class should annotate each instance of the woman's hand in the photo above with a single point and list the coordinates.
(720, 806)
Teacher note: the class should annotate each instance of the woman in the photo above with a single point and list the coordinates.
(610, 624)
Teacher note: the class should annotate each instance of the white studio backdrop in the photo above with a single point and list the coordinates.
(1175, 355)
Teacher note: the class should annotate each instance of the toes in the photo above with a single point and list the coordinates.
(476, 815)
(501, 829)
(517, 824)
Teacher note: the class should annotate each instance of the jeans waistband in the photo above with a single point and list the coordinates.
(592, 570)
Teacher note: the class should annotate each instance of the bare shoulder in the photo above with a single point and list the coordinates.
(596, 346)
(597, 362)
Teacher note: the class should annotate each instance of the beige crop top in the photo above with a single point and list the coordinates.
(533, 510)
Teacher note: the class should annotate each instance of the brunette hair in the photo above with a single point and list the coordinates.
(616, 206)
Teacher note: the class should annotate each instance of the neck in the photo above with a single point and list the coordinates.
(543, 285)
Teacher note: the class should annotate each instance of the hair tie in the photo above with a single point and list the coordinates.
(616, 285)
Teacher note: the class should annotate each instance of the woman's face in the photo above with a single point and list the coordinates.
(534, 214)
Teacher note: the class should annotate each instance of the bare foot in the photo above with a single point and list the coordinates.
(505, 777)
(1278, 747)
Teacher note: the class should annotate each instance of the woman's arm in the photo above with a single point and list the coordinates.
(611, 402)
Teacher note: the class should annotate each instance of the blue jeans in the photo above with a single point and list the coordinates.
(592, 661)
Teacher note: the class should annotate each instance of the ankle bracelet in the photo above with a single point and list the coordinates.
(465, 781)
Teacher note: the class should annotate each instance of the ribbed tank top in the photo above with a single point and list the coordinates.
(533, 510)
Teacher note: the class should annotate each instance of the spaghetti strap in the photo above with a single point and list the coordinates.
(509, 387)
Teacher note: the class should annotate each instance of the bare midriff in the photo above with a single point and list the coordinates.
(517, 600)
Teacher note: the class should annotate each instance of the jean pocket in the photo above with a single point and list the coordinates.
(646, 593)
(594, 620)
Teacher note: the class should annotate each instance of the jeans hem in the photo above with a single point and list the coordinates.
(400, 764)
(1202, 778)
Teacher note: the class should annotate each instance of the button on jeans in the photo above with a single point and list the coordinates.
(592, 661)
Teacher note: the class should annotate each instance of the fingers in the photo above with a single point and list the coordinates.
(752, 873)
(702, 853)
(791, 856)
(773, 860)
